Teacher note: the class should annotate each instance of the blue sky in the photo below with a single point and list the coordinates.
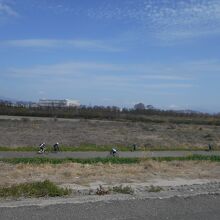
(112, 52)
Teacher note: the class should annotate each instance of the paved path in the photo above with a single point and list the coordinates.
(191, 208)
(83, 155)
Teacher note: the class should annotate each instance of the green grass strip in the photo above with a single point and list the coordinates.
(212, 158)
(112, 160)
(36, 189)
(39, 160)
(18, 149)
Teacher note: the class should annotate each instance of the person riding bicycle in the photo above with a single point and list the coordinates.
(134, 147)
(113, 152)
(42, 147)
(56, 147)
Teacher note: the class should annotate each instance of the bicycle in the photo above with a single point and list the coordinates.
(42, 149)
(56, 147)
(41, 152)
(113, 154)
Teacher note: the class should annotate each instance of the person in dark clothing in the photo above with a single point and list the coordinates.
(113, 152)
(56, 147)
(134, 147)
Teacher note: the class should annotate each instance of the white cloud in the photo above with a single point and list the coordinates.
(151, 73)
(169, 85)
(167, 77)
(74, 69)
(54, 43)
(6, 10)
(167, 20)
(107, 75)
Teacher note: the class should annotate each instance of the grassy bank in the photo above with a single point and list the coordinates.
(36, 189)
(107, 160)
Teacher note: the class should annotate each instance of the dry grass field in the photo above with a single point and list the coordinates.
(74, 173)
(17, 132)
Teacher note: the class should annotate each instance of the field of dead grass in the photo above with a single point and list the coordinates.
(26, 133)
(75, 173)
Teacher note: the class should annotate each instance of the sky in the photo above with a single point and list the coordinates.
(112, 52)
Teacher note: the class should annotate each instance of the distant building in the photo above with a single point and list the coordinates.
(58, 103)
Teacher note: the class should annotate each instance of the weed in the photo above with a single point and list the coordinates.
(25, 119)
(36, 189)
(155, 189)
(101, 191)
(123, 190)
(66, 174)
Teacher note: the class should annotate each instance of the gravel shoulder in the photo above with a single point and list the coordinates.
(169, 189)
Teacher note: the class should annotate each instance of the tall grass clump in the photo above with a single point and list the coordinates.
(123, 190)
(36, 189)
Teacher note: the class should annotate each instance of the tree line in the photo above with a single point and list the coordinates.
(112, 113)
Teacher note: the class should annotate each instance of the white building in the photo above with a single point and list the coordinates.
(58, 103)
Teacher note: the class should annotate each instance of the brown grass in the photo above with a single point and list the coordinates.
(102, 133)
(109, 173)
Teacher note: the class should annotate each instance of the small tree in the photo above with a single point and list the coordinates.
(139, 106)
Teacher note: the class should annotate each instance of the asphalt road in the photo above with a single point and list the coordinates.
(137, 154)
(201, 207)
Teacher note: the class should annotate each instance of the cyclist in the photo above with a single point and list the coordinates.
(56, 147)
(42, 147)
(134, 147)
(113, 152)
